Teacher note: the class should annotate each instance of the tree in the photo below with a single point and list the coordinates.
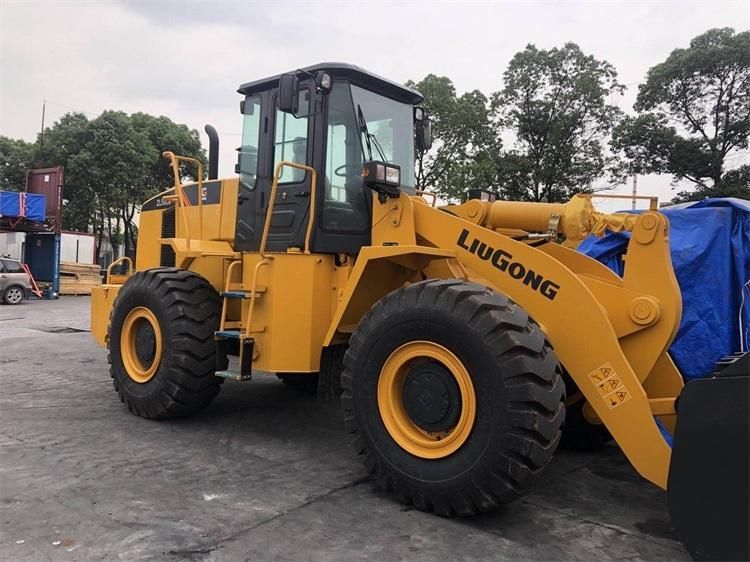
(694, 110)
(165, 134)
(464, 139)
(113, 164)
(63, 142)
(734, 183)
(16, 156)
(556, 104)
(162, 134)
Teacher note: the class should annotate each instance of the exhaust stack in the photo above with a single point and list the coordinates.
(213, 152)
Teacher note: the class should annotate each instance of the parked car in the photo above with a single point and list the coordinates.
(15, 284)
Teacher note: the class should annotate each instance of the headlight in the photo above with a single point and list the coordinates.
(393, 175)
(382, 177)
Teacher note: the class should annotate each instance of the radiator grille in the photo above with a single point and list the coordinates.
(167, 231)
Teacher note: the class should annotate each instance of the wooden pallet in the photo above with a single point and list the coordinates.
(72, 268)
(75, 291)
(79, 278)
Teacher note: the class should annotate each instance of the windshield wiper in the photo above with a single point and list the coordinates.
(363, 129)
(369, 135)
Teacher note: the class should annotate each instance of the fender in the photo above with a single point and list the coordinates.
(377, 271)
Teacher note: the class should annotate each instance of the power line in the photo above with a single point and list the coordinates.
(68, 107)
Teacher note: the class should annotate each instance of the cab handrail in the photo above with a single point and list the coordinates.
(181, 198)
(272, 201)
(118, 261)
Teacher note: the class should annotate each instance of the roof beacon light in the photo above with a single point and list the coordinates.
(324, 81)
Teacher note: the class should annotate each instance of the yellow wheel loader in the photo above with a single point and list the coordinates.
(453, 331)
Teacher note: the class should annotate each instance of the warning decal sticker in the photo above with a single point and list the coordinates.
(609, 385)
(618, 397)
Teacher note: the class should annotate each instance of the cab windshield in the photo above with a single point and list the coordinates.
(390, 127)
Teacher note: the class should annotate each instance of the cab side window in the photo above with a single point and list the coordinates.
(250, 142)
(336, 152)
(290, 139)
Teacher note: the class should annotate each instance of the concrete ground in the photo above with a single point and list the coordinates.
(263, 473)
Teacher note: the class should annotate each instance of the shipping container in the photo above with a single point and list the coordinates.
(49, 182)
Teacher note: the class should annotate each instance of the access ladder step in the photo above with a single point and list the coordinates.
(233, 375)
(230, 342)
(237, 294)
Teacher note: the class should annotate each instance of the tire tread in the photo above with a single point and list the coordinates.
(192, 311)
(535, 390)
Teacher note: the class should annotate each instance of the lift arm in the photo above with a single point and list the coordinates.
(584, 316)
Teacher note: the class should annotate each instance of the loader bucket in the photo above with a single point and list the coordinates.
(709, 471)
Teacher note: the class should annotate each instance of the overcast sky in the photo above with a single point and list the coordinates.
(186, 59)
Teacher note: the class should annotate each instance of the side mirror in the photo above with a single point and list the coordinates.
(423, 133)
(288, 93)
(427, 134)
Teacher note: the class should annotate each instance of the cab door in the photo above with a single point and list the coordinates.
(282, 137)
(292, 142)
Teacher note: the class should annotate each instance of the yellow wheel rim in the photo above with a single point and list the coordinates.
(138, 322)
(409, 436)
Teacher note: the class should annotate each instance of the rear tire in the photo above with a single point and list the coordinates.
(306, 383)
(515, 387)
(162, 350)
(14, 294)
(327, 382)
(331, 367)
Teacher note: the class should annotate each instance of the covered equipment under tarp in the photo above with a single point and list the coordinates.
(29, 206)
(710, 246)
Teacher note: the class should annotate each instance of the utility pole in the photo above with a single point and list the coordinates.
(41, 134)
(635, 188)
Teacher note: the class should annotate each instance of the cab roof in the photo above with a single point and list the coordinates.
(356, 74)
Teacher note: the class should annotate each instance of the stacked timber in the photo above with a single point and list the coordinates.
(79, 278)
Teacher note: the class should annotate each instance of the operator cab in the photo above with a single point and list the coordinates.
(338, 119)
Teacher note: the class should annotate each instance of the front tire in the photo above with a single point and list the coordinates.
(162, 350)
(453, 397)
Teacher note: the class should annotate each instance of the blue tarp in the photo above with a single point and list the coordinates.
(710, 245)
(30, 206)
(36, 207)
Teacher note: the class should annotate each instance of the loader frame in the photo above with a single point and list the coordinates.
(626, 376)
(291, 309)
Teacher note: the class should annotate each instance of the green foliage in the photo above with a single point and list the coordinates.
(464, 140)
(164, 134)
(113, 164)
(556, 104)
(694, 110)
(735, 183)
(16, 156)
